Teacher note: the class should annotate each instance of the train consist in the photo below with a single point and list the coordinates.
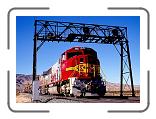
(77, 73)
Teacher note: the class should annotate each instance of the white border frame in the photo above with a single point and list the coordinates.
(103, 106)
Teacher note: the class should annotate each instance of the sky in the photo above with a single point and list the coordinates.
(50, 52)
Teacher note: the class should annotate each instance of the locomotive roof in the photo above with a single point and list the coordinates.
(78, 48)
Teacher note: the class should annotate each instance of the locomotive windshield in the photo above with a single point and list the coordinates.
(89, 51)
(72, 54)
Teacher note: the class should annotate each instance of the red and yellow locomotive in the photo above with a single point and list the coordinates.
(76, 73)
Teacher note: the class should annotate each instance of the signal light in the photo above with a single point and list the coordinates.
(115, 32)
(50, 35)
(85, 30)
(70, 37)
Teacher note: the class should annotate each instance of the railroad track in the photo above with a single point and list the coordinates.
(91, 99)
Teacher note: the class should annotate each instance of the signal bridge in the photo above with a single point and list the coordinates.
(55, 31)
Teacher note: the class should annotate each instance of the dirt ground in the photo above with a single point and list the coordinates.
(23, 98)
(26, 98)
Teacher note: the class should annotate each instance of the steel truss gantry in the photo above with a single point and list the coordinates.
(55, 31)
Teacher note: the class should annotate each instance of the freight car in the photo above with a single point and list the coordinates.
(76, 73)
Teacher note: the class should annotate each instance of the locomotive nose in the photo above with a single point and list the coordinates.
(93, 66)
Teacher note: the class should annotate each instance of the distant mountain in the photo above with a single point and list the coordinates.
(21, 78)
(23, 83)
(116, 87)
